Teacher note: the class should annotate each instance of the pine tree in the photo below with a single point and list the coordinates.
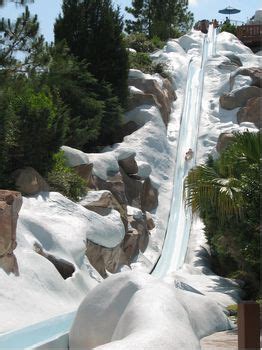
(159, 18)
(33, 120)
(93, 32)
(21, 39)
(94, 112)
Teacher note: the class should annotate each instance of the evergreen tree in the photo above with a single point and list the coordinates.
(93, 32)
(21, 39)
(32, 118)
(78, 90)
(95, 113)
(32, 127)
(159, 18)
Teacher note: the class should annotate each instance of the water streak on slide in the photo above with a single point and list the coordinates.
(179, 225)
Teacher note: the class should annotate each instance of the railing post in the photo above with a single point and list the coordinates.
(248, 326)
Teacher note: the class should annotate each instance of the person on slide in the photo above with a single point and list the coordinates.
(189, 154)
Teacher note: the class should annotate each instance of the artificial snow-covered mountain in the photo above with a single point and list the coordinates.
(126, 230)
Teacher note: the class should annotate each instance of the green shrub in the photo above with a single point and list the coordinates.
(232, 308)
(143, 62)
(157, 42)
(64, 180)
(161, 69)
(228, 27)
(32, 127)
(140, 61)
(251, 285)
(141, 43)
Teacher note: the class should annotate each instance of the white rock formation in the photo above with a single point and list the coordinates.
(135, 310)
(74, 156)
(61, 228)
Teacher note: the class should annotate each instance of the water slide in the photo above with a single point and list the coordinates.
(180, 218)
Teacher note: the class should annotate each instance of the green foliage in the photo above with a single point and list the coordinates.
(143, 62)
(226, 193)
(232, 308)
(64, 180)
(161, 68)
(157, 42)
(48, 98)
(32, 127)
(95, 113)
(112, 117)
(78, 90)
(228, 27)
(93, 32)
(159, 18)
(141, 59)
(21, 39)
(141, 43)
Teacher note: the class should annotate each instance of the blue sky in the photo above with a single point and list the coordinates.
(47, 11)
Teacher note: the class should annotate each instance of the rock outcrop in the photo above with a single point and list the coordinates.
(105, 259)
(137, 225)
(239, 98)
(140, 193)
(94, 200)
(65, 268)
(235, 60)
(129, 165)
(136, 238)
(102, 202)
(29, 182)
(80, 163)
(75, 157)
(149, 198)
(230, 63)
(126, 129)
(10, 205)
(119, 182)
(85, 171)
(202, 26)
(139, 98)
(149, 221)
(162, 96)
(115, 185)
(225, 139)
(255, 73)
(133, 189)
(252, 112)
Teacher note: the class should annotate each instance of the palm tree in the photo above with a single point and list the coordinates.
(218, 183)
(226, 193)
(205, 187)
